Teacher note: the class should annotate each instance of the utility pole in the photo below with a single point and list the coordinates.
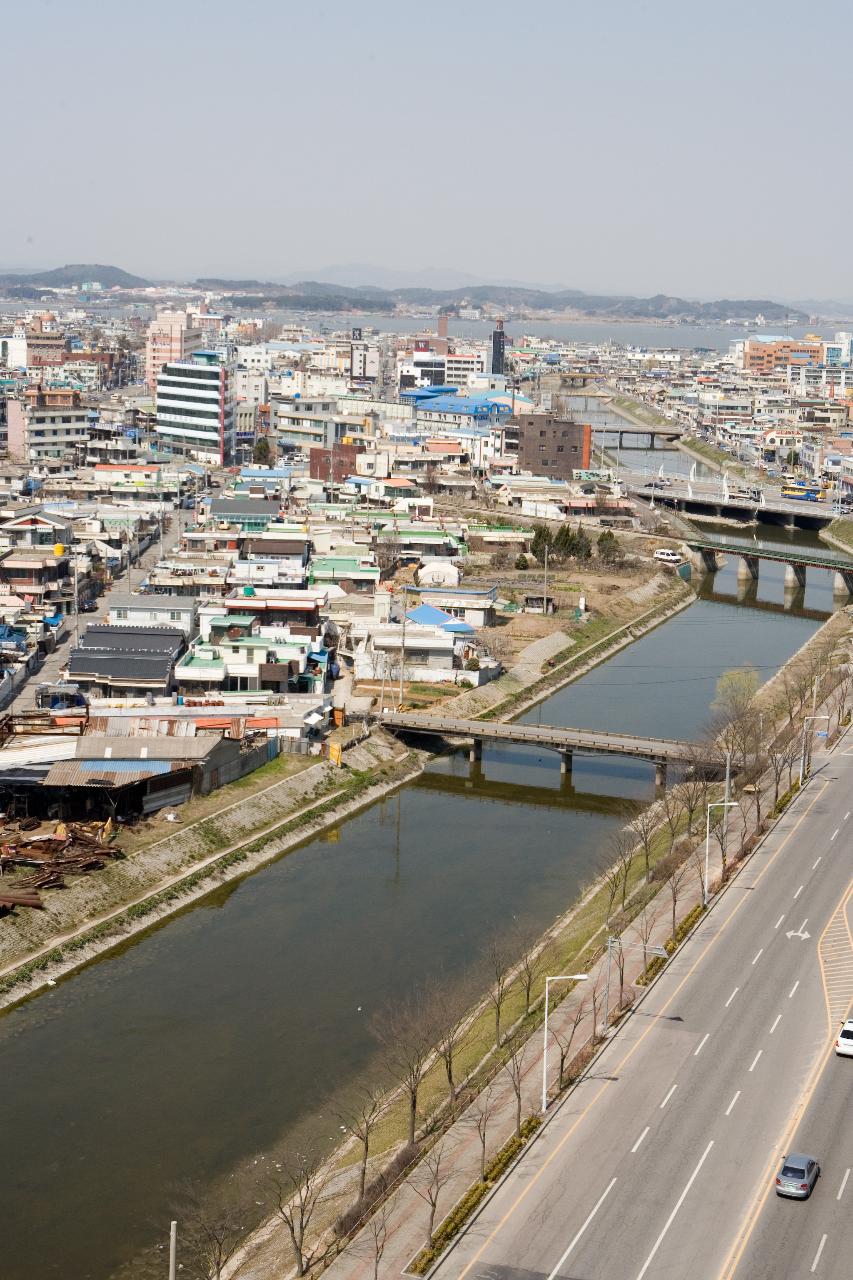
(545, 599)
(403, 645)
(173, 1250)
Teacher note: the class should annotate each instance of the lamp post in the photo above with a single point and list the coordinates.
(806, 722)
(559, 977)
(647, 949)
(716, 804)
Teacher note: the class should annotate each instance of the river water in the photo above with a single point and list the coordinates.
(244, 1021)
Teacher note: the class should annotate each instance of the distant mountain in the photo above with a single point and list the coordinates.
(76, 273)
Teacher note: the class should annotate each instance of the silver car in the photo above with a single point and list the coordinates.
(797, 1177)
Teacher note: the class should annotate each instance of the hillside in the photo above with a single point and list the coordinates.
(75, 273)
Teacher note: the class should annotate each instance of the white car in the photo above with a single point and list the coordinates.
(667, 555)
(844, 1042)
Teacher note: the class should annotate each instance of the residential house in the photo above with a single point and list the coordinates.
(126, 661)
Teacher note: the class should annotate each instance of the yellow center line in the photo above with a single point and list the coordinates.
(617, 1070)
(738, 1249)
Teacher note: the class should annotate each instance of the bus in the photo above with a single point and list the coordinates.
(804, 493)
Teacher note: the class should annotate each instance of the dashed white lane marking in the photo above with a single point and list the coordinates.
(758, 955)
(843, 1185)
(778, 1019)
(600, 1202)
(636, 1146)
(793, 988)
(819, 1252)
(778, 922)
(847, 815)
(668, 1096)
(730, 1108)
(755, 1060)
(814, 864)
(799, 891)
(701, 1044)
(666, 1226)
(835, 833)
(732, 996)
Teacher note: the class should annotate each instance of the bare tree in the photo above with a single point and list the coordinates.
(360, 1122)
(693, 790)
(499, 971)
(297, 1183)
(516, 1071)
(644, 825)
(434, 1176)
(624, 847)
(720, 832)
(405, 1035)
(776, 761)
(212, 1225)
(564, 1038)
(672, 811)
(644, 928)
(594, 1001)
(674, 881)
(612, 877)
(375, 1235)
(447, 1009)
(529, 965)
(618, 954)
(483, 1108)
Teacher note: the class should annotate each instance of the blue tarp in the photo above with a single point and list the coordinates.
(427, 615)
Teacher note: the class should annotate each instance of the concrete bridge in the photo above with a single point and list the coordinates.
(707, 552)
(659, 751)
(704, 501)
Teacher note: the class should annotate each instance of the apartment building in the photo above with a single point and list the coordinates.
(195, 408)
(549, 446)
(171, 338)
(765, 355)
(47, 422)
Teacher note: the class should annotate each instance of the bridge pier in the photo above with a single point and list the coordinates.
(747, 569)
(660, 775)
(795, 576)
(842, 583)
(706, 560)
(475, 753)
(565, 764)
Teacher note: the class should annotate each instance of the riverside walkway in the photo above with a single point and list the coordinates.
(660, 751)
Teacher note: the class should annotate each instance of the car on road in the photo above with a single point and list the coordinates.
(844, 1040)
(797, 1177)
(667, 555)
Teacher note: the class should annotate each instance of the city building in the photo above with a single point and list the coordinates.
(765, 355)
(553, 447)
(171, 338)
(195, 408)
(46, 422)
(499, 348)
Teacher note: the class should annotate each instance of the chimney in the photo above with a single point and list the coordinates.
(442, 326)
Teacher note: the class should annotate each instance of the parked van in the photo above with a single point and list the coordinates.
(667, 556)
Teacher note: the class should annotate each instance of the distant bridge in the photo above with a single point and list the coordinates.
(698, 501)
(659, 751)
(707, 550)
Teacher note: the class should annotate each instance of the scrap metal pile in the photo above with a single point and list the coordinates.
(74, 849)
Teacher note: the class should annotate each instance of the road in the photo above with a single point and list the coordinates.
(656, 1165)
(55, 663)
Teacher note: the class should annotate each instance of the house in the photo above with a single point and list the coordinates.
(476, 607)
(240, 656)
(155, 611)
(126, 661)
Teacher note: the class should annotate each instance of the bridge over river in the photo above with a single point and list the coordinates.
(660, 751)
(707, 550)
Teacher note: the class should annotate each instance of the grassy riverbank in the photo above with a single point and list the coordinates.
(839, 533)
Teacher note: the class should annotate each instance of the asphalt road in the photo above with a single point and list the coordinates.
(655, 1167)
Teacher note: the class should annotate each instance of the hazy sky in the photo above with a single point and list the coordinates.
(691, 148)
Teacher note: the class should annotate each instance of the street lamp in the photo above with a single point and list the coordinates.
(803, 752)
(559, 977)
(648, 949)
(716, 804)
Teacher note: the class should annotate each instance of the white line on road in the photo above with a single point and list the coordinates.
(819, 1252)
(846, 816)
(835, 833)
(759, 955)
(679, 1202)
(793, 988)
(636, 1146)
(799, 891)
(730, 1108)
(700, 1046)
(778, 922)
(668, 1096)
(814, 864)
(843, 1185)
(732, 996)
(755, 1060)
(604, 1196)
(776, 1023)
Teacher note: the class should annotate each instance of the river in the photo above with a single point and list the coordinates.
(240, 1022)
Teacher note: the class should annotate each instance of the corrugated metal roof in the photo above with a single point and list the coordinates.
(84, 773)
(42, 751)
(93, 746)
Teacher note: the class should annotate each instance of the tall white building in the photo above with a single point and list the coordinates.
(195, 408)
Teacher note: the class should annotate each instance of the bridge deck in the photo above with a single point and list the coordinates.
(554, 737)
(783, 555)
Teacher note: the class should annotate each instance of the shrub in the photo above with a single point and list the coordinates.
(521, 561)
(473, 664)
